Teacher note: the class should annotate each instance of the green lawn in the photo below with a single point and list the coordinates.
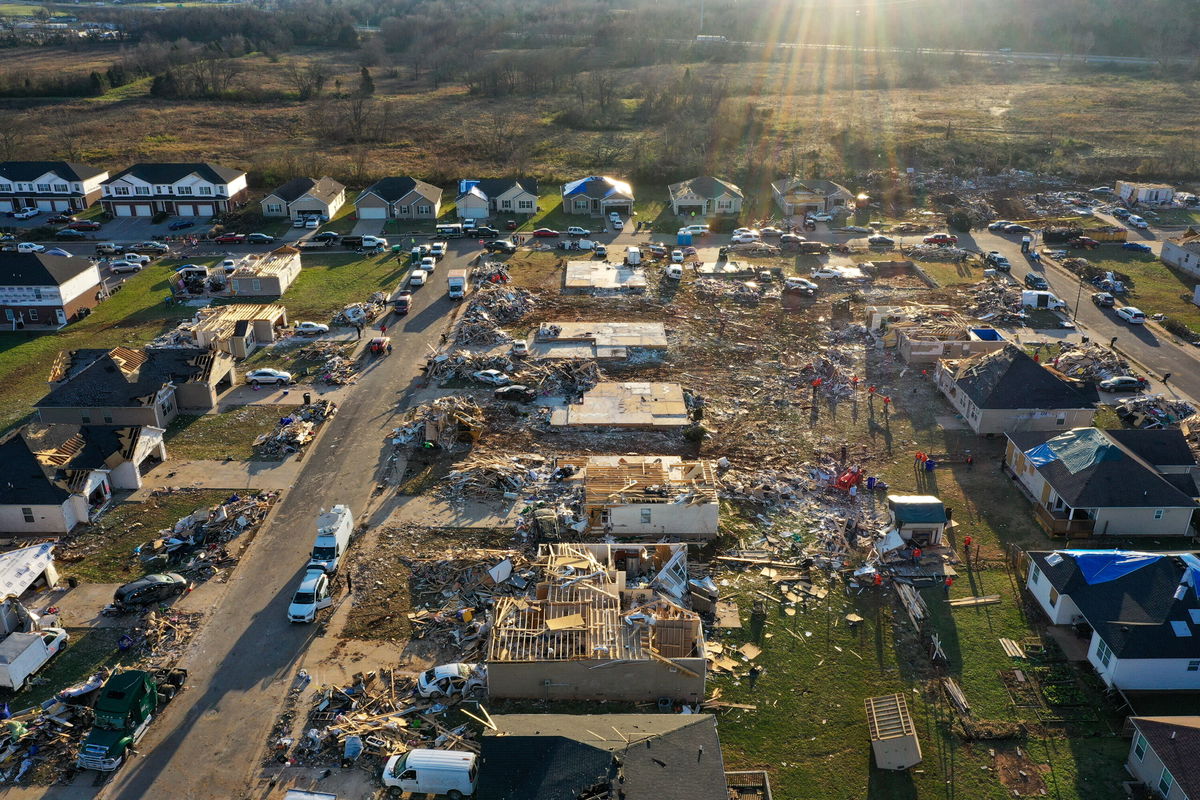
(131, 317)
(947, 273)
(343, 222)
(228, 435)
(1176, 216)
(87, 651)
(327, 283)
(1156, 288)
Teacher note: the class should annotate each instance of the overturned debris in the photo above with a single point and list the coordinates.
(443, 422)
(295, 430)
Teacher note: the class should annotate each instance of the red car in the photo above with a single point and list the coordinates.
(546, 233)
(230, 238)
(941, 239)
(1085, 242)
(84, 225)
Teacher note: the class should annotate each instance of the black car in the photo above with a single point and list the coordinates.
(500, 246)
(180, 224)
(516, 393)
(60, 218)
(1034, 281)
(326, 236)
(1104, 300)
(259, 238)
(482, 230)
(68, 233)
(150, 589)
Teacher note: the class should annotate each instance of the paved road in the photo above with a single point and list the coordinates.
(209, 741)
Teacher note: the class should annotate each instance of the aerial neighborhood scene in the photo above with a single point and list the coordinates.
(607, 400)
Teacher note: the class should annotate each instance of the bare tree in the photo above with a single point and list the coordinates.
(13, 133)
(309, 80)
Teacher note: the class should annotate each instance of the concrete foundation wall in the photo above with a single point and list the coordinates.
(609, 680)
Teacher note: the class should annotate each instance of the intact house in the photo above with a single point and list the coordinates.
(597, 196)
(598, 628)
(1164, 755)
(60, 186)
(57, 476)
(1138, 613)
(182, 190)
(644, 497)
(480, 199)
(1134, 193)
(1093, 482)
(304, 197)
(264, 274)
(1007, 390)
(595, 756)
(38, 290)
(123, 386)
(705, 196)
(399, 198)
(1183, 253)
(239, 328)
(798, 196)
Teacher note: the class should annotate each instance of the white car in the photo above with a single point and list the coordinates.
(229, 264)
(257, 377)
(745, 238)
(827, 272)
(737, 231)
(311, 328)
(28, 212)
(438, 249)
(772, 231)
(136, 258)
(800, 284)
(575, 230)
(447, 680)
(311, 596)
(821, 216)
(429, 263)
(617, 225)
(677, 256)
(31, 247)
(117, 267)
(1132, 315)
(1137, 221)
(519, 348)
(493, 376)
(695, 230)
(418, 277)
(601, 250)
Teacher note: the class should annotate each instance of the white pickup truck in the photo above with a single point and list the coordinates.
(22, 654)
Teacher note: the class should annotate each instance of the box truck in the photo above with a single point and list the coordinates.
(333, 538)
(22, 654)
(456, 281)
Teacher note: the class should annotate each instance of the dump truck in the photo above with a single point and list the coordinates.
(124, 709)
(456, 282)
(22, 654)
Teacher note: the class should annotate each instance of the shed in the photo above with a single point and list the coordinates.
(920, 518)
(893, 736)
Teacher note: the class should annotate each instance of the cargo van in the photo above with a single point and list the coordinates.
(449, 772)
(633, 256)
(450, 230)
(334, 528)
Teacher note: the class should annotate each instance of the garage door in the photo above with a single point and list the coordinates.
(204, 210)
(62, 205)
(142, 211)
(45, 205)
(185, 209)
(372, 212)
(620, 209)
(123, 210)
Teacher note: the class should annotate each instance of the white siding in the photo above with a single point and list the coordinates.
(1062, 612)
(46, 519)
(1148, 673)
(83, 283)
(669, 519)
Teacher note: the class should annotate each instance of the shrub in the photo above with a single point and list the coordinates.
(1181, 330)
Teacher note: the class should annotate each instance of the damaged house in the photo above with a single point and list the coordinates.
(124, 386)
(266, 274)
(238, 329)
(600, 341)
(1009, 391)
(626, 405)
(597, 628)
(927, 334)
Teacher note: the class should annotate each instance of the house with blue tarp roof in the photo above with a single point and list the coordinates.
(597, 196)
(1138, 612)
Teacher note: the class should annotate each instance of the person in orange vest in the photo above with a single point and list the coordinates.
(878, 579)
(947, 584)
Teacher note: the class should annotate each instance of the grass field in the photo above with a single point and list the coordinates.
(1156, 289)
(329, 282)
(87, 651)
(228, 435)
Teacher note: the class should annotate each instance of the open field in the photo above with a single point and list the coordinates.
(329, 282)
(227, 435)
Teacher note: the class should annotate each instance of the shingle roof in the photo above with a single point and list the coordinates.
(170, 173)
(1089, 468)
(1010, 379)
(24, 482)
(40, 269)
(597, 186)
(493, 187)
(560, 756)
(1131, 613)
(1176, 741)
(29, 170)
(706, 186)
(324, 189)
(1165, 448)
(392, 189)
(122, 378)
(814, 185)
(918, 509)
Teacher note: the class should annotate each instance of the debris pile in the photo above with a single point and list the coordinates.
(461, 364)
(443, 422)
(295, 430)
(490, 478)
(363, 312)
(489, 272)
(933, 252)
(1090, 362)
(996, 302)
(1154, 411)
(335, 364)
(504, 304)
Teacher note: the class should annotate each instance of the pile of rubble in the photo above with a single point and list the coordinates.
(1089, 362)
(1154, 411)
(337, 367)
(477, 328)
(503, 304)
(461, 364)
(490, 477)
(442, 422)
(295, 430)
(192, 544)
(993, 301)
(745, 292)
(486, 272)
(933, 252)
(176, 338)
(363, 312)
(561, 376)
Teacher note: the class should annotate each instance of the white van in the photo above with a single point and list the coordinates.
(334, 528)
(449, 772)
(633, 256)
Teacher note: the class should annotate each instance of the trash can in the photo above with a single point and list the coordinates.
(871, 483)
(930, 465)
(307, 398)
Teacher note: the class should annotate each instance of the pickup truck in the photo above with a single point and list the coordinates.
(26, 653)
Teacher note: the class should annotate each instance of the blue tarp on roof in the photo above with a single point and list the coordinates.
(1078, 450)
(1101, 566)
(1192, 572)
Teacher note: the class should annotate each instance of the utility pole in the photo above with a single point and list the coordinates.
(701, 16)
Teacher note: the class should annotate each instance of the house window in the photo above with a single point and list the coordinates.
(1035, 575)
(1061, 419)
(274, 208)
(37, 293)
(525, 204)
(142, 190)
(646, 516)
(506, 203)
(1139, 747)
(183, 190)
(205, 190)
(1103, 652)
(60, 187)
(581, 204)
(121, 190)
(5, 187)
(1053, 597)
(401, 210)
(1165, 782)
(85, 419)
(1158, 513)
(1193, 666)
(43, 187)
(33, 314)
(27, 513)
(221, 191)
(108, 419)
(724, 204)
(8, 314)
(424, 209)
(256, 285)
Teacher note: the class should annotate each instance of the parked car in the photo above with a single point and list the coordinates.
(1137, 222)
(326, 236)
(149, 248)
(438, 249)
(1035, 281)
(429, 263)
(516, 393)
(1057, 253)
(1121, 213)
(1015, 228)
(447, 680)
(800, 285)
(311, 328)
(546, 233)
(791, 238)
(418, 277)
(312, 223)
(879, 240)
(136, 257)
(500, 246)
(617, 224)
(737, 231)
(826, 272)
(28, 212)
(84, 225)
(695, 230)
(259, 238)
(1138, 246)
(1083, 243)
(311, 596)
(402, 302)
(180, 224)
(229, 264)
(70, 233)
(999, 225)
(31, 247)
(600, 250)
(257, 377)
(482, 231)
(575, 230)
(821, 216)
(230, 238)
(770, 230)
(150, 589)
(996, 260)
(60, 219)
(492, 376)
(677, 256)
(748, 237)
(118, 267)
(1124, 383)
(1132, 315)
(1104, 300)
(940, 239)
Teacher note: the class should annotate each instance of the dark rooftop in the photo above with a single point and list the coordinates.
(1010, 379)
(124, 377)
(392, 189)
(325, 189)
(706, 186)
(26, 171)
(40, 269)
(170, 173)
(1176, 741)
(493, 187)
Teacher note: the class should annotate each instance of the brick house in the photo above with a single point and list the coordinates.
(46, 291)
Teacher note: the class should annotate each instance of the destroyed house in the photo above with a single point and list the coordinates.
(918, 519)
(602, 341)
(58, 476)
(927, 334)
(1009, 391)
(594, 631)
(625, 405)
(1091, 482)
(1138, 613)
(123, 386)
(647, 497)
(266, 274)
(238, 328)
(602, 757)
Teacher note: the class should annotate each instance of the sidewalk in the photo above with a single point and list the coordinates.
(232, 475)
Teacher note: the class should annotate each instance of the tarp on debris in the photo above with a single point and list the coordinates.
(1102, 566)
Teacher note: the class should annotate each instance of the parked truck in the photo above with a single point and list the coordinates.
(22, 654)
(456, 281)
(334, 528)
(124, 710)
